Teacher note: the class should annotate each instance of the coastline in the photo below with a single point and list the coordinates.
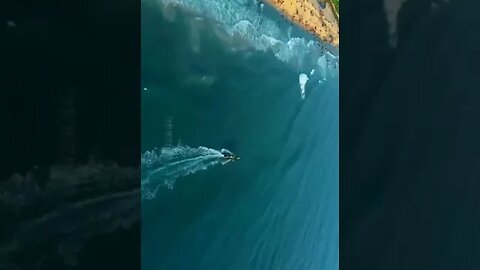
(321, 22)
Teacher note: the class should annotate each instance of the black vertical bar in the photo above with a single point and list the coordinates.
(409, 151)
(70, 134)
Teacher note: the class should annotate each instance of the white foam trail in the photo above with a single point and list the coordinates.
(302, 80)
(161, 168)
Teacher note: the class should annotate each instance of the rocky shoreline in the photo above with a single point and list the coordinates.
(317, 17)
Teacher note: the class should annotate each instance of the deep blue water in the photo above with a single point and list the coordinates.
(228, 83)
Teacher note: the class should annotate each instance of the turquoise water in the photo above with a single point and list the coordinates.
(227, 76)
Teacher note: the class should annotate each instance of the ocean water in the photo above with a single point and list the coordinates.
(234, 75)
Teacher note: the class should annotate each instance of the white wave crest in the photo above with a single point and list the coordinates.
(242, 19)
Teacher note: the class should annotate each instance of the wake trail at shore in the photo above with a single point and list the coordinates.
(162, 167)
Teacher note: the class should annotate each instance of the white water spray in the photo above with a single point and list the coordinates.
(302, 80)
(162, 167)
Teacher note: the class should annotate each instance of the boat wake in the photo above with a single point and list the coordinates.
(162, 167)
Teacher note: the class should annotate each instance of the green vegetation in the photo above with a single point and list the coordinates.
(336, 4)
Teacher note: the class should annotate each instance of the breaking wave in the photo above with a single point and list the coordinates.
(162, 167)
(240, 24)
